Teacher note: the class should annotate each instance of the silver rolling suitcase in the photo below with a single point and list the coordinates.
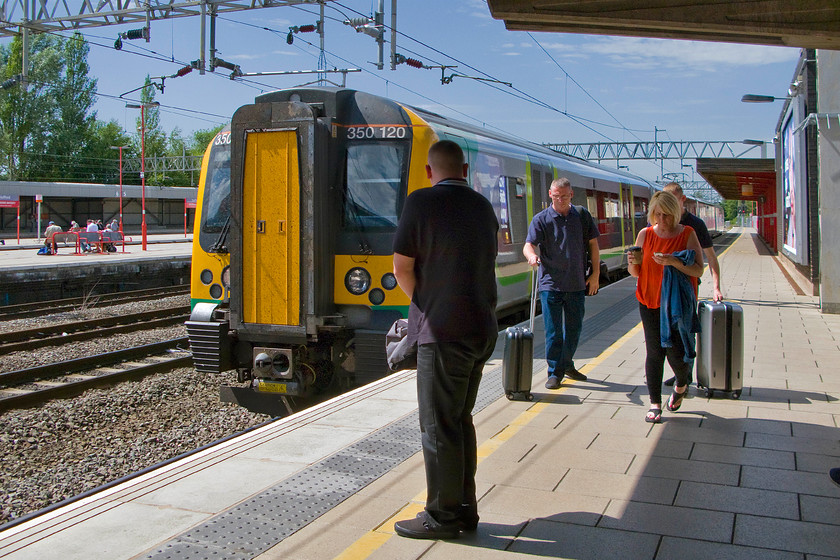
(720, 348)
(518, 361)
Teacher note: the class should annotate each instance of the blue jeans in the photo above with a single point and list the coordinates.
(561, 339)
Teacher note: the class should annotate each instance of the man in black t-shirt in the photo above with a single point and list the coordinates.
(444, 260)
(689, 219)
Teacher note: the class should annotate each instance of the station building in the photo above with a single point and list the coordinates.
(167, 208)
(798, 193)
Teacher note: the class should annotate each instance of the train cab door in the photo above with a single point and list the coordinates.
(273, 178)
(628, 229)
(271, 233)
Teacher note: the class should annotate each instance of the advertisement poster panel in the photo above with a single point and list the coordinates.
(794, 185)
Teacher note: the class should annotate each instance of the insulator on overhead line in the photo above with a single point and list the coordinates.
(307, 28)
(142, 33)
(182, 72)
(11, 82)
(359, 21)
(413, 62)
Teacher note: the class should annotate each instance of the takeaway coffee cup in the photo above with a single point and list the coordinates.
(635, 254)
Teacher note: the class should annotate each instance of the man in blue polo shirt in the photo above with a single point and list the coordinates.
(562, 232)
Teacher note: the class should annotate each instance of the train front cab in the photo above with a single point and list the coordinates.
(279, 245)
(311, 275)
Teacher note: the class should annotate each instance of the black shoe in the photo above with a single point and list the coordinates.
(421, 528)
(553, 382)
(835, 475)
(670, 382)
(469, 523)
(572, 373)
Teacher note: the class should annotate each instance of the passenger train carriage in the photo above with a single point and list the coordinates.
(299, 200)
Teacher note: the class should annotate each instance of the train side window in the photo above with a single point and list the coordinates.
(514, 212)
(375, 174)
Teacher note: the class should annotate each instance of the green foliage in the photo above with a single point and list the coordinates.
(730, 210)
(49, 130)
(202, 139)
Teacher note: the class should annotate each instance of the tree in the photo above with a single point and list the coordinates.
(730, 210)
(202, 138)
(102, 137)
(74, 93)
(27, 112)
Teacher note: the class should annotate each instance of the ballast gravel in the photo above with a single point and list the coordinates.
(68, 446)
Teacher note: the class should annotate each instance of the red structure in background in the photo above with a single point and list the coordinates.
(10, 201)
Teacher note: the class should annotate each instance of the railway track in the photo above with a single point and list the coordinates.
(33, 386)
(30, 339)
(24, 310)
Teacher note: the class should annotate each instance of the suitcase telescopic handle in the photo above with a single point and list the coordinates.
(534, 282)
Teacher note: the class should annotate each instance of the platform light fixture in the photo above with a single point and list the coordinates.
(760, 143)
(121, 148)
(142, 107)
(753, 98)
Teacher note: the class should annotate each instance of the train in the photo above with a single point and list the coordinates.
(299, 197)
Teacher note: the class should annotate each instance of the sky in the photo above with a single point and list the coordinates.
(562, 87)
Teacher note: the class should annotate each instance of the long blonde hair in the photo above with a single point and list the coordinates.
(668, 203)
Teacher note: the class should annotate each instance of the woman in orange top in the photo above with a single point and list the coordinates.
(658, 242)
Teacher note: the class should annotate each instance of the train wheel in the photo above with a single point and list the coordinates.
(736, 395)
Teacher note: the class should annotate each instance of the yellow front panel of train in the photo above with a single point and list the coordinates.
(271, 229)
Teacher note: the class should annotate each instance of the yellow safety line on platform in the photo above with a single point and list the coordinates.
(371, 541)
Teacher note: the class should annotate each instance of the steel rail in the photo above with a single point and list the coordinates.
(23, 310)
(90, 326)
(75, 386)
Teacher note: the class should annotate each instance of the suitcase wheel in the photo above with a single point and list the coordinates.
(736, 394)
(509, 396)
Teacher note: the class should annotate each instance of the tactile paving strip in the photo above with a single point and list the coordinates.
(261, 522)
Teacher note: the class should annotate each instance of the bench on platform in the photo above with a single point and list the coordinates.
(65, 237)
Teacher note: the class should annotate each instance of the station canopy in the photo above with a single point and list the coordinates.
(813, 24)
(740, 179)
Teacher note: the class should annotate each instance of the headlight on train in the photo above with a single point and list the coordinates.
(206, 276)
(226, 277)
(357, 281)
(216, 291)
(376, 296)
(389, 281)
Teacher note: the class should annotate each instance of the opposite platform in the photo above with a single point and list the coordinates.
(26, 276)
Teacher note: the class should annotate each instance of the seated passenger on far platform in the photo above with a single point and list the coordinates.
(48, 234)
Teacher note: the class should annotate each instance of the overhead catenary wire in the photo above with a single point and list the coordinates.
(343, 10)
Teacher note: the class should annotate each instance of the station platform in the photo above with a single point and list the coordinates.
(575, 474)
(26, 276)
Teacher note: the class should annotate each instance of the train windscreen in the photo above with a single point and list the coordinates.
(375, 175)
(216, 209)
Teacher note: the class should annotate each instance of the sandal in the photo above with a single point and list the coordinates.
(675, 402)
(654, 416)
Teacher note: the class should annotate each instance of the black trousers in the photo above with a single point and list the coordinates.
(656, 355)
(448, 375)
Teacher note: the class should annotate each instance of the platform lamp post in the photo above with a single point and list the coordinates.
(120, 148)
(142, 107)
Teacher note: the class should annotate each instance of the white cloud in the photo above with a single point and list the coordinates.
(645, 54)
(244, 56)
